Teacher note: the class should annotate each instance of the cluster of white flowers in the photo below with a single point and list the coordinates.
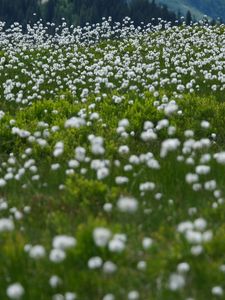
(60, 243)
(196, 234)
(169, 145)
(127, 204)
(96, 144)
(117, 243)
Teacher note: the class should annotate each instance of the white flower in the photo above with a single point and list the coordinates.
(210, 185)
(37, 252)
(55, 281)
(148, 135)
(153, 164)
(147, 186)
(109, 297)
(80, 153)
(191, 178)
(147, 243)
(148, 125)
(220, 157)
(2, 182)
(101, 236)
(107, 207)
(57, 255)
(202, 169)
(70, 296)
(127, 204)
(196, 250)
(6, 225)
(59, 149)
(169, 145)
(183, 267)
(15, 291)
(142, 265)
(1, 114)
(200, 224)
(94, 262)
(176, 282)
(74, 122)
(121, 180)
(63, 242)
(124, 149)
(185, 226)
(207, 236)
(133, 295)
(193, 237)
(73, 163)
(205, 124)
(116, 245)
(58, 297)
(170, 108)
(109, 267)
(123, 123)
(102, 173)
(217, 291)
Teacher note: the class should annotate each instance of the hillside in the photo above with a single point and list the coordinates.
(112, 162)
(212, 8)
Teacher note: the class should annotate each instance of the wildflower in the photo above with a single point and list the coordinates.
(202, 169)
(147, 243)
(133, 295)
(63, 242)
(196, 250)
(169, 145)
(176, 282)
(2, 182)
(15, 291)
(109, 297)
(107, 207)
(220, 157)
(116, 245)
(94, 262)
(123, 149)
(55, 281)
(217, 291)
(101, 236)
(109, 267)
(37, 252)
(6, 225)
(57, 255)
(183, 267)
(127, 204)
(141, 265)
(74, 122)
(70, 296)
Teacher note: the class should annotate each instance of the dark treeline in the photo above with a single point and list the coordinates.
(78, 12)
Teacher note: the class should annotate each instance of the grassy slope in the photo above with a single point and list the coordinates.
(77, 209)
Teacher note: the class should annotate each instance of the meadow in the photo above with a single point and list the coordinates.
(112, 162)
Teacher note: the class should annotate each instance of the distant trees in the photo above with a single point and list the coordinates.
(81, 11)
(18, 10)
(188, 18)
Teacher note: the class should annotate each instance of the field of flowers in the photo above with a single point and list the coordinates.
(112, 162)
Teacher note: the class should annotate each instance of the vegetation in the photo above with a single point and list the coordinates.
(212, 8)
(79, 12)
(112, 162)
